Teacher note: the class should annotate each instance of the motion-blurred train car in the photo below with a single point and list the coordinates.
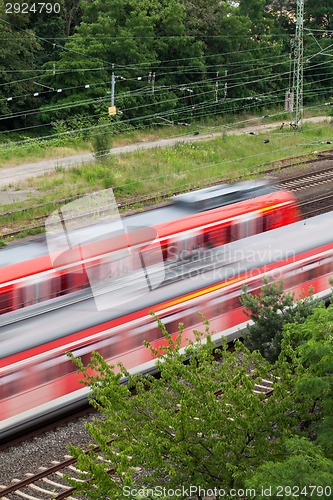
(190, 225)
(38, 379)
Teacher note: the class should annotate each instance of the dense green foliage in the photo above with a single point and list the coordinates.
(172, 60)
(310, 347)
(201, 424)
(305, 472)
(270, 311)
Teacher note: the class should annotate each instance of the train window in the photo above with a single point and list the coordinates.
(65, 283)
(105, 349)
(255, 286)
(79, 280)
(84, 353)
(230, 303)
(107, 269)
(134, 338)
(54, 287)
(265, 223)
(244, 226)
(48, 289)
(191, 319)
(258, 225)
(50, 370)
(312, 270)
(214, 308)
(308, 272)
(327, 266)
(27, 295)
(222, 304)
(291, 278)
(86, 358)
(172, 320)
(55, 368)
(236, 231)
(227, 234)
(6, 302)
(218, 235)
(9, 385)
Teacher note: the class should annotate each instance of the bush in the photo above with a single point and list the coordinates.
(269, 311)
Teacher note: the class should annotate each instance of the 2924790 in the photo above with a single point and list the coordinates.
(35, 8)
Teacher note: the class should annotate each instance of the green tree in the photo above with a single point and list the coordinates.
(270, 311)
(101, 139)
(49, 27)
(73, 15)
(305, 473)
(283, 13)
(18, 50)
(200, 423)
(319, 15)
(310, 347)
(254, 10)
(130, 38)
(305, 365)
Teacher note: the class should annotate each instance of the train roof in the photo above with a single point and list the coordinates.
(222, 194)
(229, 261)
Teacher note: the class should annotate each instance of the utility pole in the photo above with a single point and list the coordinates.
(113, 81)
(226, 84)
(151, 79)
(112, 108)
(217, 87)
(298, 66)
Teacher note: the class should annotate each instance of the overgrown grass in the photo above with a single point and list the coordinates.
(16, 148)
(14, 153)
(167, 170)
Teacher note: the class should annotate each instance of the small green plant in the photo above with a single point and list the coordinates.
(270, 311)
(102, 140)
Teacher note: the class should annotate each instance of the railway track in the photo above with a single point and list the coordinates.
(316, 206)
(51, 481)
(48, 481)
(301, 182)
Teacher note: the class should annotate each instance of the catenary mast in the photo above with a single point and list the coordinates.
(298, 67)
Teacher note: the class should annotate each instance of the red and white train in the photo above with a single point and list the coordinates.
(38, 379)
(191, 224)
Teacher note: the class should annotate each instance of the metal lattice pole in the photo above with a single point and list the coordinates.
(298, 66)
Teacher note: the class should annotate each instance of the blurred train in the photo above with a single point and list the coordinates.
(191, 224)
(38, 380)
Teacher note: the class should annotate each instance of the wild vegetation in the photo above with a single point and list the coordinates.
(201, 423)
(170, 62)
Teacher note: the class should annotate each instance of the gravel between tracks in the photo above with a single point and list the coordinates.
(41, 450)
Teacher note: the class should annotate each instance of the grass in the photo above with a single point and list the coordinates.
(16, 148)
(166, 170)
(12, 154)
